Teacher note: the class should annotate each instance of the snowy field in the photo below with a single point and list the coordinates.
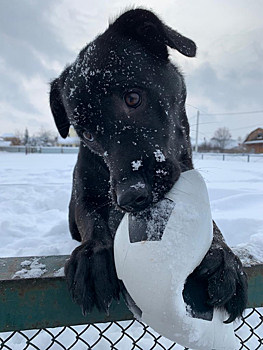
(35, 191)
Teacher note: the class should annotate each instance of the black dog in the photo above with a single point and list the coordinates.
(126, 101)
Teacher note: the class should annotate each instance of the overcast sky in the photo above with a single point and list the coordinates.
(39, 37)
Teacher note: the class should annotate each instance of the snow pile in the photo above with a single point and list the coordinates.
(31, 269)
(251, 253)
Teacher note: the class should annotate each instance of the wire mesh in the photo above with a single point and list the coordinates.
(126, 335)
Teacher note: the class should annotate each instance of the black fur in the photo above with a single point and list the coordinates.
(130, 156)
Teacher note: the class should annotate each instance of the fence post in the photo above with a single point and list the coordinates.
(248, 158)
(223, 157)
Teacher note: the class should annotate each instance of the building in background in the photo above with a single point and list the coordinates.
(9, 137)
(72, 140)
(254, 141)
(4, 143)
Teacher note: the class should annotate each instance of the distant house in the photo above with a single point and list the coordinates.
(4, 143)
(72, 140)
(254, 141)
(8, 137)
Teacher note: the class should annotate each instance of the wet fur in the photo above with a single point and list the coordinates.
(131, 55)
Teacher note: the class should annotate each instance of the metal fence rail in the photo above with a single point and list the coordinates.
(39, 149)
(243, 157)
(32, 307)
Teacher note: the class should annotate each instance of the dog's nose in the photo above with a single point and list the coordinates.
(134, 198)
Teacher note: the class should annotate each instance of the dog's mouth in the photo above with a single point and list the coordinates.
(141, 191)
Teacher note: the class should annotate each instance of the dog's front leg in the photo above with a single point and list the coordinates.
(227, 281)
(90, 271)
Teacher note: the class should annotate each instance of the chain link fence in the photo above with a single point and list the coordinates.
(38, 314)
(126, 335)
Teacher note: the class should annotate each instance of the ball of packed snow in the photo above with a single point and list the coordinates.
(156, 250)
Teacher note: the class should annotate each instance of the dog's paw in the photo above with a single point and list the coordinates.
(91, 277)
(227, 281)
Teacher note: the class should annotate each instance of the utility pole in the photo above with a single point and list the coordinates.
(196, 135)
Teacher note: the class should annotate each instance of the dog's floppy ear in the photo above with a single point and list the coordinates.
(146, 27)
(58, 109)
(179, 42)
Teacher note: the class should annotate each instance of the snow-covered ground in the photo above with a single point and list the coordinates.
(35, 191)
(34, 195)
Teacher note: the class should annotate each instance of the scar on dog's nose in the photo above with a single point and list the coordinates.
(134, 199)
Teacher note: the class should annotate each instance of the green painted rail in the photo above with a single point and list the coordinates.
(34, 295)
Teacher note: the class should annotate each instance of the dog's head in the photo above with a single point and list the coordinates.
(126, 101)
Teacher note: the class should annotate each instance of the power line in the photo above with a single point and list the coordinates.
(234, 113)
(250, 112)
(244, 127)
(213, 114)
(198, 109)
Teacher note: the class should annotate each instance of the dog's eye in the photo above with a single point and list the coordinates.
(132, 99)
(88, 136)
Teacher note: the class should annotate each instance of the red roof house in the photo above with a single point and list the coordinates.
(254, 141)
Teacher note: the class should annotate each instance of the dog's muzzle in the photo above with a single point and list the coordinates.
(133, 197)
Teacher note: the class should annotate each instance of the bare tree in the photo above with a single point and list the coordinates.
(46, 137)
(240, 139)
(222, 138)
(18, 138)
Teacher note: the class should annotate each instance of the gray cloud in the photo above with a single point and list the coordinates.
(26, 27)
(230, 92)
(12, 92)
(233, 78)
(26, 34)
(37, 38)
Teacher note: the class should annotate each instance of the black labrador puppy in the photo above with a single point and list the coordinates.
(126, 101)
